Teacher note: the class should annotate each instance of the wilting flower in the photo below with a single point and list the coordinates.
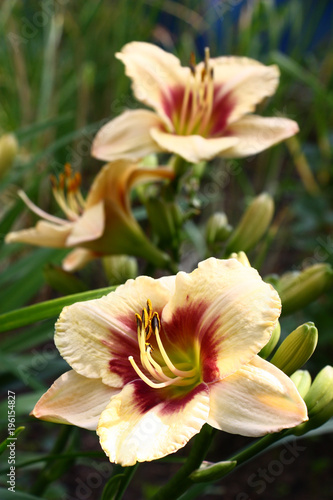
(155, 360)
(201, 111)
(103, 224)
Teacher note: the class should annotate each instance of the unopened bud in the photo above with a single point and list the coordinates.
(212, 472)
(8, 152)
(241, 257)
(217, 228)
(320, 393)
(120, 268)
(149, 160)
(297, 289)
(269, 347)
(302, 380)
(319, 400)
(296, 349)
(252, 225)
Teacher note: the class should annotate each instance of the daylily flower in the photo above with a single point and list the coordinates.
(103, 224)
(155, 360)
(200, 112)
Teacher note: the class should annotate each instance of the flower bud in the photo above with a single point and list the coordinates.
(211, 472)
(8, 152)
(252, 225)
(120, 268)
(241, 257)
(297, 289)
(296, 349)
(319, 400)
(320, 393)
(217, 228)
(269, 347)
(302, 380)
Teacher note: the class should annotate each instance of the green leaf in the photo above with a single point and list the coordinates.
(47, 309)
(9, 440)
(18, 495)
(111, 488)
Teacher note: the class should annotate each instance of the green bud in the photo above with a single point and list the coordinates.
(252, 225)
(297, 289)
(320, 393)
(302, 380)
(316, 421)
(8, 152)
(217, 228)
(149, 160)
(296, 349)
(269, 347)
(120, 268)
(241, 257)
(212, 472)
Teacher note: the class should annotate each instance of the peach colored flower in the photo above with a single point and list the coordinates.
(155, 360)
(200, 112)
(103, 224)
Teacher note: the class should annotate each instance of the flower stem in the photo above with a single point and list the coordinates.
(257, 447)
(181, 481)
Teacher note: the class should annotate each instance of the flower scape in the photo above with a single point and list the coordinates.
(155, 360)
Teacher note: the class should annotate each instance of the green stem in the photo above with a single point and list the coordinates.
(181, 481)
(258, 447)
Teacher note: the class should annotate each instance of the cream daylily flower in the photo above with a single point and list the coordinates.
(103, 224)
(200, 112)
(155, 360)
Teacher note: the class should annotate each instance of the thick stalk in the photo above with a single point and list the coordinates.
(181, 481)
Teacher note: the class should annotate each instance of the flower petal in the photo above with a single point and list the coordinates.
(246, 81)
(97, 336)
(256, 133)
(193, 148)
(140, 425)
(127, 137)
(44, 234)
(77, 258)
(227, 309)
(89, 226)
(154, 74)
(73, 399)
(257, 399)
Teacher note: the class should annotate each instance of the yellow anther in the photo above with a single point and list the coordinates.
(68, 170)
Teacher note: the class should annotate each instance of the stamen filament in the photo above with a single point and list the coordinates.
(157, 366)
(149, 382)
(60, 199)
(168, 362)
(185, 103)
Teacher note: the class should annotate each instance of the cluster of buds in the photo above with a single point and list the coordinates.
(318, 397)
